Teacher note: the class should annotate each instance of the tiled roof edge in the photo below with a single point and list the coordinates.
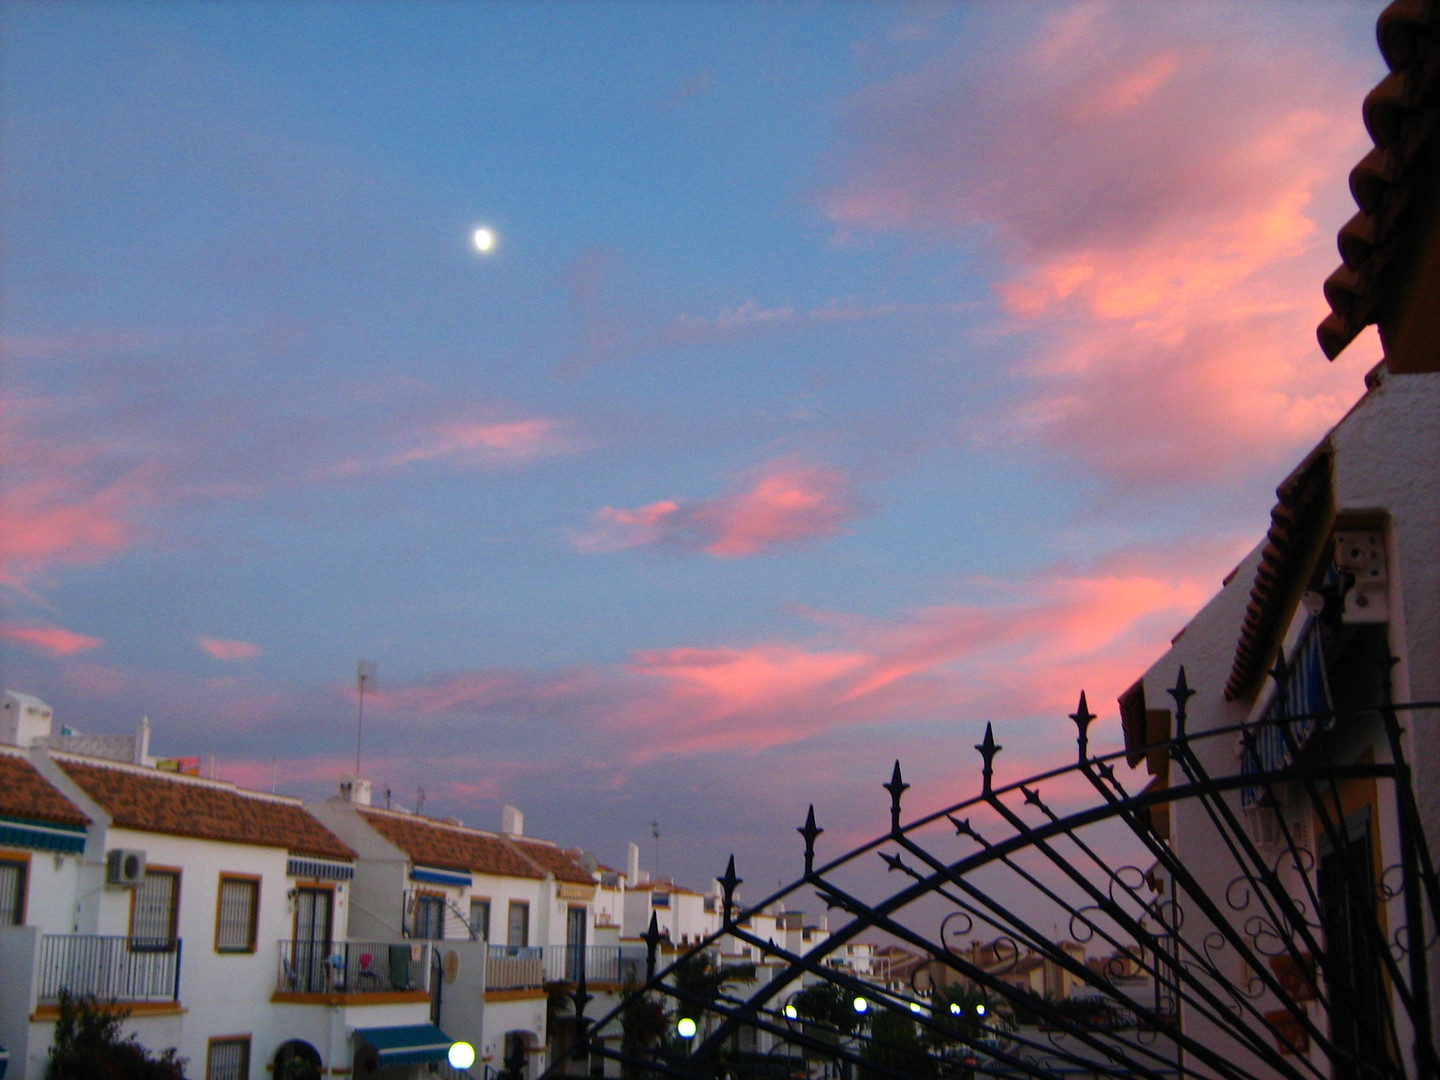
(1402, 115)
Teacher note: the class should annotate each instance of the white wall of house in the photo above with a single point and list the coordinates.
(1385, 455)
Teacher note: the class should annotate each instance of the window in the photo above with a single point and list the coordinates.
(518, 930)
(12, 891)
(429, 917)
(236, 909)
(228, 1058)
(154, 909)
(480, 918)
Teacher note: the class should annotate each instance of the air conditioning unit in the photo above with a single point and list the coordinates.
(124, 868)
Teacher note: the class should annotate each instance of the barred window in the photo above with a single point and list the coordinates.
(153, 910)
(480, 918)
(429, 917)
(228, 1059)
(518, 930)
(12, 892)
(236, 910)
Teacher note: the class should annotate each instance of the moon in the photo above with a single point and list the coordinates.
(483, 239)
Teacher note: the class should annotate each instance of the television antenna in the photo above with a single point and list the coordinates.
(364, 673)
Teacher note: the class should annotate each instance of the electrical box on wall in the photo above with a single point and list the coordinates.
(1360, 553)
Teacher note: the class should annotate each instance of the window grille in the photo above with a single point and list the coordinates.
(235, 921)
(229, 1059)
(480, 918)
(156, 903)
(12, 892)
(518, 931)
(429, 917)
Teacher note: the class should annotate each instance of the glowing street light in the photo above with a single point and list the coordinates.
(461, 1055)
(686, 1028)
(861, 1005)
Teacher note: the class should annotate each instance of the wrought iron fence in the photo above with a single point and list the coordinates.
(353, 967)
(1053, 927)
(109, 967)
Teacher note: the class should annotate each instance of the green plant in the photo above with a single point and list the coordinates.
(895, 1047)
(89, 1046)
(828, 1006)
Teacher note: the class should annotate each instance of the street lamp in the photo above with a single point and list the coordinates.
(461, 1055)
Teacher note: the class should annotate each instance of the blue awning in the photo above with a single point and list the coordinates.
(42, 835)
(431, 876)
(408, 1044)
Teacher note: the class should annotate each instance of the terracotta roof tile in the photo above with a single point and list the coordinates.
(24, 793)
(152, 801)
(454, 847)
(1299, 523)
(553, 860)
(1402, 115)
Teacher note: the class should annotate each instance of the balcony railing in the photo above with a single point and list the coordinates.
(110, 968)
(512, 967)
(353, 967)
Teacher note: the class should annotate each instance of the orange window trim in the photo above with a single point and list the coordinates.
(22, 859)
(210, 1049)
(175, 872)
(253, 879)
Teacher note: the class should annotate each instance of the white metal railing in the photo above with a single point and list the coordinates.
(109, 967)
(519, 967)
(353, 967)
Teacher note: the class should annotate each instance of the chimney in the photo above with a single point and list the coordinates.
(142, 742)
(632, 862)
(354, 789)
(512, 821)
(25, 720)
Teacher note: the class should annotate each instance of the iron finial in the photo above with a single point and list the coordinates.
(1082, 717)
(652, 938)
(810, 831)
(1182, 693)
(897, 788)
(988, 749)
(730, 882)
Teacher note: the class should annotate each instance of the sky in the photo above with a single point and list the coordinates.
(842, 377)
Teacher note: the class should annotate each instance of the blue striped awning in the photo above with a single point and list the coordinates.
(42, 835)
(432, 876)
(408, 1044)
(320, 869)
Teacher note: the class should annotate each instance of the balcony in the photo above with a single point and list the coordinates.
(121, 969)
(514, 967)
(354, 967)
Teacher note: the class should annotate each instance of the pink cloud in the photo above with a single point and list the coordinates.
(51, 640)
(222, 649)
(1015, 651)
(781, 503)
(1148, 181)
(469, 442)
(66, 504)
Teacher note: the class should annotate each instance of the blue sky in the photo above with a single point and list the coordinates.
(844, 376)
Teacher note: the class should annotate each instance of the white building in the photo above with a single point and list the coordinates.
(517, 917)
(218, 918)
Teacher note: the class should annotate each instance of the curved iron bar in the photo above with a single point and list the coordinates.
(1172, 955)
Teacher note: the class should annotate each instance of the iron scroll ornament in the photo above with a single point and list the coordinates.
(1233, 970)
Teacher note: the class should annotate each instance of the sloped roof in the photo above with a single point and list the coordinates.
(149, 800)
(1402, 114)
(24, 793)
(454, 847)
(1299, 526)
(553, 860)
